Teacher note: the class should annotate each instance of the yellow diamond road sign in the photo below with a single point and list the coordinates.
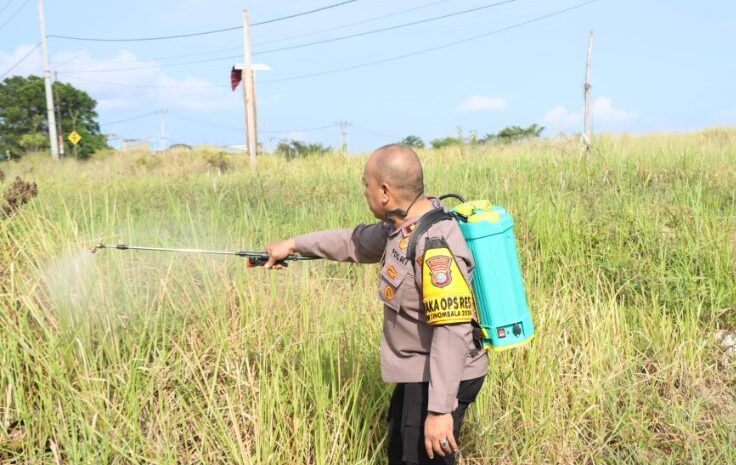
(74, 137)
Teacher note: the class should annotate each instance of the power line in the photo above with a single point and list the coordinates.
(230, 49)
(143, 86)
(362, 65)
(356, 23)
(431, 49)
(201, 33)
(148, 60)
(165, 65)
(384, 29)
(134, 118)
(20, 61)
(15, 13)
(303, 13)
(334, 39)
(5, 6)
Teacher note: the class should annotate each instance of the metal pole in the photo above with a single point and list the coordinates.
(162, 131)
(344, 136)
(249, 93)
(586, 118)
(53, 141)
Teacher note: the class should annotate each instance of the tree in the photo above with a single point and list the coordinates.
(412, 141)
(291, 148)
(514, 133)
(445, 142)
(23, 121)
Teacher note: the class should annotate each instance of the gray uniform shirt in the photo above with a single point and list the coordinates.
(411, 350)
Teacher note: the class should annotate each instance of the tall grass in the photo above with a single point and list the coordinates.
(629, 261)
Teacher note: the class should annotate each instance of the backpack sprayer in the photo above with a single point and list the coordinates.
(505, 321)
(254, 258)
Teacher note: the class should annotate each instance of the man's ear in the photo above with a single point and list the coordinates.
(385, 192)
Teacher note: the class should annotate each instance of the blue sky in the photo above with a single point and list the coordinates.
(657, 66)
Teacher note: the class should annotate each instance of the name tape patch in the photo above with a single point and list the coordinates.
(446, 297)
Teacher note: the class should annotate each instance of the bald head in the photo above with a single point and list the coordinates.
(397, 166)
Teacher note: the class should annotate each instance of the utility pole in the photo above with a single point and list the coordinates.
(343, 125)
(586, 116)
(53, 138)
(60, 131)
(162, 131)
(247, 74)
(249, 94)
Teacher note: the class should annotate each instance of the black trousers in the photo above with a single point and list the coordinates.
(406, 417)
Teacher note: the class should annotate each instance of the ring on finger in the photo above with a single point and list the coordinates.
(444, 443)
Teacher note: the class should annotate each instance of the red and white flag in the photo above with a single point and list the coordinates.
(236, 75)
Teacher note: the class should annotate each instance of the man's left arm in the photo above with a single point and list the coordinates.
(447, 295)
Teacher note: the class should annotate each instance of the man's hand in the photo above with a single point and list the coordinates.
(438, 428)
(279, 251)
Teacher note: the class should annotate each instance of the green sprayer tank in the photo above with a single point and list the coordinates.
(497, 282)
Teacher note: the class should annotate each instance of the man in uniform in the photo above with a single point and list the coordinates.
(428, 347)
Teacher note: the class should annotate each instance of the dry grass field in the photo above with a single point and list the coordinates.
(629, 260)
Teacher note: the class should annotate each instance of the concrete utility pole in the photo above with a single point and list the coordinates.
(53, 138)
(343, 125)
(248, 76)
(162, 131)
(586, 117)
(249, 93)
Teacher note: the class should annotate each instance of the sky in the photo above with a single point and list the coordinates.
(657, 66)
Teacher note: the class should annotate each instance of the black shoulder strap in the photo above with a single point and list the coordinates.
(423, 225)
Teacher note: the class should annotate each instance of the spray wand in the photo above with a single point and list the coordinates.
(254, 258)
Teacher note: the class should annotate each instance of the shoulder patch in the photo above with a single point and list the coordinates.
(446, 296)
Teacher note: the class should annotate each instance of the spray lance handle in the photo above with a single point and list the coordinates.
(261, 258)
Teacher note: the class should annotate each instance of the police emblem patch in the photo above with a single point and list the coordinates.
(404, 242)
(391, 272)
(388, 293)
(439, 269)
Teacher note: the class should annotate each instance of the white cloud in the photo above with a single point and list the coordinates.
(603, 111)
(124, 82)
(29, 65)
(604, 115)
(481, 103)
(558, 120)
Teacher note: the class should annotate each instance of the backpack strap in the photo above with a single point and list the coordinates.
(423, 225)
